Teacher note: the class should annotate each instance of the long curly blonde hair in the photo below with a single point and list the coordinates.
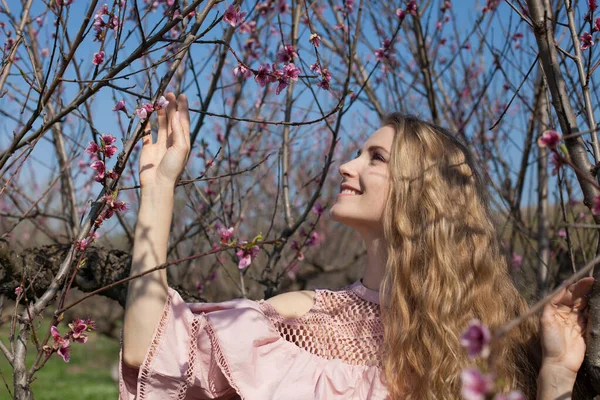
(444, 267)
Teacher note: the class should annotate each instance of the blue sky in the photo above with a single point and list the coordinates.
(105, 121)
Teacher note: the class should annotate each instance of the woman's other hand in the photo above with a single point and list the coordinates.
(563, 323)
(162, 163)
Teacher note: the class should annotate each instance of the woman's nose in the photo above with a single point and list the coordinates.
(346, 169)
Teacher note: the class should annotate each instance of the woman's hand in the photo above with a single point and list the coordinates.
(563, 323)
(162, 163)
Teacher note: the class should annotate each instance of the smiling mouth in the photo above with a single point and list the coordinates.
(350, 192)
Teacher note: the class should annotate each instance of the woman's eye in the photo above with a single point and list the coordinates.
(379, 157)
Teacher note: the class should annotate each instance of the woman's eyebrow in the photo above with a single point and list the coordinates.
(373, 147)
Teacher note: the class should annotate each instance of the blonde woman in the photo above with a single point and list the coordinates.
(434, 263)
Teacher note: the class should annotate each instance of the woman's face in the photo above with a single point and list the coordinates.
(365, 183)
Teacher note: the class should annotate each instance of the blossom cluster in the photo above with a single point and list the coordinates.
(325, 82)
(477, 385)
(386, 55)
(101, 25)
(62, 343)
(147, 108)
(233, 17)
(271, 73)
(106, 148)
(491, 5)
(282, 76)
(99, 154)
(246, 253)
(586, 38)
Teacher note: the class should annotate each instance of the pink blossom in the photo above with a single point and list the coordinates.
(291, 71)
(283, 7)
(282, 85)
(81, 245)
(64, 351)
(141, 113)
(324, 84)
(314, 240)
(549, 139)
(491, 6)
(476, 338)
(592, 5)
(226, 234)
(247, 27)
(411, 8)
(586, 41)
(148, 107)
(120, 106)
(162, 102)
(78, 327)
(400, 14)
(514, 395)
(246, 256)
(475, 385)
(99, 167)
(263, 76)
(596, 205)
(98, 58)
(18, 290)
(120, 205)
(108, 139)
(561, 233)
(92, 148)
(241, 70)
(315, 39)
(45, 52)
(318, 209)
(517, 260)
(233, 17)
(110, 151)
(60, 344)
(315, 68)
(286, 54)
(10, 42)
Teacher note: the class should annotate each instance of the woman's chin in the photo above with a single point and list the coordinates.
(337, 216)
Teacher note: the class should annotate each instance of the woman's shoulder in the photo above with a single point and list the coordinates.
(293, 304)
(298, 304)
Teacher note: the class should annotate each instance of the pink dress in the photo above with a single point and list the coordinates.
(244, 349)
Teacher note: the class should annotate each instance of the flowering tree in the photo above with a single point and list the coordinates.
(281, 92)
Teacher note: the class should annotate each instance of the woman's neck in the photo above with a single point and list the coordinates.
(376, 260)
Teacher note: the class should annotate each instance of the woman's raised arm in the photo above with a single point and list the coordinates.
(161, 164)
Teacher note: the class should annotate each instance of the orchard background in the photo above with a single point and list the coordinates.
(281, 92)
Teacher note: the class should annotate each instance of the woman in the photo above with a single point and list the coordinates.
(434, 261)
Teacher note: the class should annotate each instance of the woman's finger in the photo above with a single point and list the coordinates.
(574, 294)
(184, 116)
(178, 135)
(163, 124)
(171, 109)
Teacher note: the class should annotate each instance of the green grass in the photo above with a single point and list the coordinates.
(86, 377)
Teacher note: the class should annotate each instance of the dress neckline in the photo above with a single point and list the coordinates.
(364, 293)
